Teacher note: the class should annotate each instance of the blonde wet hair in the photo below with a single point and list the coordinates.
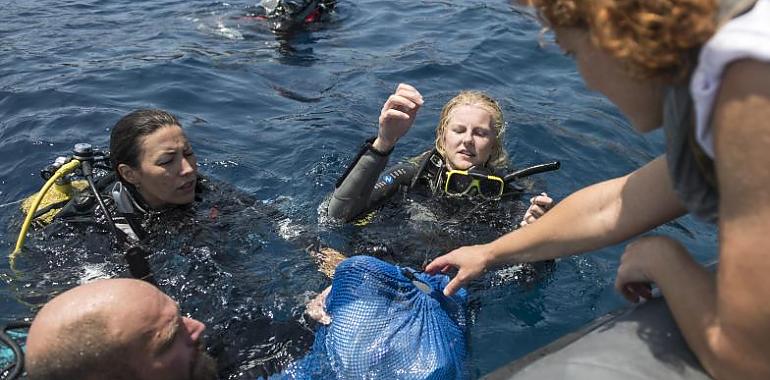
(498, 158)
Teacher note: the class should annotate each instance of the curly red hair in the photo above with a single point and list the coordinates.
(654, 38)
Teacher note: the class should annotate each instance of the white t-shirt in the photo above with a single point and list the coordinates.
(744, 37)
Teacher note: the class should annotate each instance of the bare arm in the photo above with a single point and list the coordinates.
(599, 215)
(726, 320)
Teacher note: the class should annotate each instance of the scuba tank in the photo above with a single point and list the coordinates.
(52, 201)
(70, 182)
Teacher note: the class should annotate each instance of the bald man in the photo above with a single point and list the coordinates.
(116, 329)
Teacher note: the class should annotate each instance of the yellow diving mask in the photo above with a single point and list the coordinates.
(463, 182)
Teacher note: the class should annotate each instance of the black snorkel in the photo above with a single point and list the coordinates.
(535, 169)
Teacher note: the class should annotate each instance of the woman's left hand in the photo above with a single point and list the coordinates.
(639, 264)
(538, 206)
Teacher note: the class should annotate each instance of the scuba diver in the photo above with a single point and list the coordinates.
(151, 171)
(464, 175)
(146, 202)
(468, 159)
(286, 14)
(466, 165)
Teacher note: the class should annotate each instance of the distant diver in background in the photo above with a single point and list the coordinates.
(287, 14)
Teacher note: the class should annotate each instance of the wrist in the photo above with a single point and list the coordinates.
(669, 259)
(382, 146)
(490, 255)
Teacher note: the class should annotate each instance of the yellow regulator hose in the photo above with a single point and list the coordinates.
(63, 170)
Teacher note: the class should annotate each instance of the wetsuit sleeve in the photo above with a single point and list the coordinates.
(352, 194)
(393, 179)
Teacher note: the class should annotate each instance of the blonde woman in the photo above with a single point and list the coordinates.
(468, 158)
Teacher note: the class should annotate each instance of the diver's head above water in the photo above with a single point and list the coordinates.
(116, 329)
(151, 154)
(470, 132)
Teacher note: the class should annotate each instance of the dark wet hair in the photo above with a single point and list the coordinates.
(125, 147)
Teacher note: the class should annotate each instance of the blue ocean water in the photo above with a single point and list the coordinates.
(279, 117)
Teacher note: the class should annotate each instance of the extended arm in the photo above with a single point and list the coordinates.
(597, 216)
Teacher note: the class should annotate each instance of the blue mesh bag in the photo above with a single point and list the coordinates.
(388, 322)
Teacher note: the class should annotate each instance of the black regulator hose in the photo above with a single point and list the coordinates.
(87, 172)
(138, 265)
(15, 369)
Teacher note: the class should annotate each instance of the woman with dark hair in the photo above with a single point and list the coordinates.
(192, 234)
(151, 155)
(699, 69)
(154, 173)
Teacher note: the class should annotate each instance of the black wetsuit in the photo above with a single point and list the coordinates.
(422, 224)
(217, 257)
(287, 14)
(361, 188)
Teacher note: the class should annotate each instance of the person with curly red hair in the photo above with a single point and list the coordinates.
(699, 69)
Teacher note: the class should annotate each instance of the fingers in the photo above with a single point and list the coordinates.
(390, 114)
(631, 287)
(528, 219)
(542, 200)
(406, 98)
(409, 92)
(635, 292)
(402, 103)
(451, 260)
(439, 264)
(535, 211)
(539, 205)
(453, 286)
(316, 308)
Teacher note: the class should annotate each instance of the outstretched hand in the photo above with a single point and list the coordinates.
(471, 262)
(397, 116)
